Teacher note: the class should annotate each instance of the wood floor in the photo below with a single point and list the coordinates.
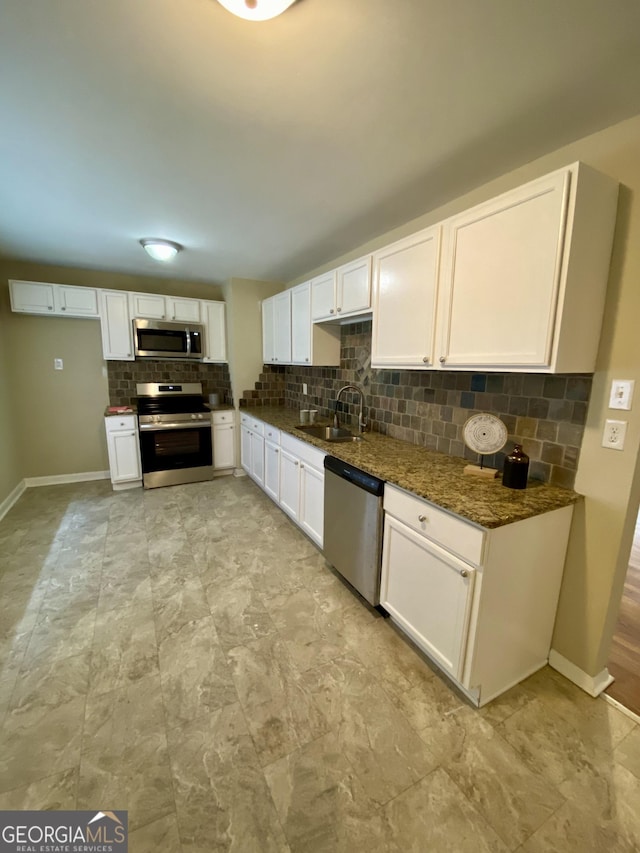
(624, 661)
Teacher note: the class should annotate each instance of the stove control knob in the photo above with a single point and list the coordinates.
(193, 417)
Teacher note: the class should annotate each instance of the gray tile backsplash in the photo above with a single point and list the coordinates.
(123, 377)
(546, 414)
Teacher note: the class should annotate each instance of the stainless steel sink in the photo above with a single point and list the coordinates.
(328, 433)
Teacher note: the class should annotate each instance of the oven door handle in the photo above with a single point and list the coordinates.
(166, 427)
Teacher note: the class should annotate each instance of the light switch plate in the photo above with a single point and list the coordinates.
(621, 394)
(58, 364)
(614, 434)
(304, 388)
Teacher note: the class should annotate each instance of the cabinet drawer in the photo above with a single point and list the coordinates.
(455, 535)
(303, 451)
(121, 422)
(223, 417)
(252, 423)
(272, 434)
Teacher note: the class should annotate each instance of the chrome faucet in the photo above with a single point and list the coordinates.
(362, 424)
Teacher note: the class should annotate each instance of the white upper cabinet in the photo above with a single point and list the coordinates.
(63, 300)
(353, 287)
(323, 296)
(342, 293)
(152, 306)
(524, 276)
(405, 278)
(282, 327)
(301, 324)
(117, 332)
(276, 328)
(213, 316)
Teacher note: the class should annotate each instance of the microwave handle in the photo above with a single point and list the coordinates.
(188, 336)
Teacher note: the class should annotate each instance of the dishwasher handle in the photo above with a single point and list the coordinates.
(359, 478)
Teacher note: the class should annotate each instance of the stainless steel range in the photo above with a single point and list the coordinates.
(175, 434)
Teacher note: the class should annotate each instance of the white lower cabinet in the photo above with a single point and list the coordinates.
(311, 517)
(224, 440)
(252, 447)
(302, 485)
(289, 483)
(124, 451)
(481, 603)
(272, 462)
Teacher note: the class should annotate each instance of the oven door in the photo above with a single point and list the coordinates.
(173, 454)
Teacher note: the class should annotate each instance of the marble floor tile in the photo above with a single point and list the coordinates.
(121, 586)
(176, 601)
(280, 711)
(71, 592)
(385, 752)
(194, 672)
(54, 638)
(33, 745)
(627, 752)
(434, 815)
(512, 799)
(42, 688)
(238, 612)
(159, 836)
(222, 799)
(56, 792)
(124, 647)
(322, 804)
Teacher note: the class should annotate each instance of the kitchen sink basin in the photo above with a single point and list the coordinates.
(329, 433)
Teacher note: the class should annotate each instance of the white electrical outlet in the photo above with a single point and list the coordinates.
(58, 364)
(613, 435)
(304, 388)
(621, 394)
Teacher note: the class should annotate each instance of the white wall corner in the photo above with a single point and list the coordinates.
(591, 684)
(12, 498)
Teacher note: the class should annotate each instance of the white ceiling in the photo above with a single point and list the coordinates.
(270, 148)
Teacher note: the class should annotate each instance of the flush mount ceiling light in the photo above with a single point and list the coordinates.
(161, 250)
(256, 10)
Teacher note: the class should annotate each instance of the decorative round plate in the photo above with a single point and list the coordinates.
(484, 433)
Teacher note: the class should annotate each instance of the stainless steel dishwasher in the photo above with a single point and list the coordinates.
(353, 522)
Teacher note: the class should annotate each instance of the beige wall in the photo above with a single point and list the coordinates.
(59, 413)
(244, 329)
(603, 525)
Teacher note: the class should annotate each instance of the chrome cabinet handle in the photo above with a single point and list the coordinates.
(306, 359)
(301, 465)
(426, 359)
(331, 311)
(442, 359)
(64, 307)
(297, 463)
(339, 310)
(422, 518)
(50, 307)
(464, 573)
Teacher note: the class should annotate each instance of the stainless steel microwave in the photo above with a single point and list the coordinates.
(155, 339)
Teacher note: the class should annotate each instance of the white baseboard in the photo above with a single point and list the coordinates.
(591, 684)
(239, 472)
(59, 479)
(12, 498)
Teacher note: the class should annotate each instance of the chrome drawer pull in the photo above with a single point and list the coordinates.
(464, 573)
(422, 518)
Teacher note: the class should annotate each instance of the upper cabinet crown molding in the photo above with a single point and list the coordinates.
(520, 285)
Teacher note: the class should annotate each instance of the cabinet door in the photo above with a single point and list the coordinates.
(301, 324)
(245, 449)
(312, 502)
(76, 301)
(224, 447)
(323, 296)
(354, 287)
(257, 458)
(124, 456)
(289, 483)
(282, 327)
(117, 333)
(405, 277)
(32, 297)
(502, 269)
(213, 315)
(148, 306)
(428, 592)
(268, 338)
(272, 470)
(183, 310)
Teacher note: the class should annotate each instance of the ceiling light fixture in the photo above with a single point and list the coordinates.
(161, 250)
(256, 10)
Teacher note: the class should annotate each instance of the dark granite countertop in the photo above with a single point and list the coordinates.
(431, 475)
(131, 410)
